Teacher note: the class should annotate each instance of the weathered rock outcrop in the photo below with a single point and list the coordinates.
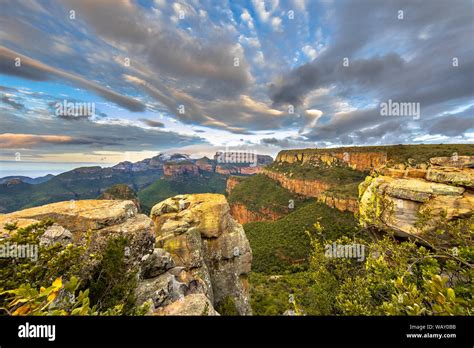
(120, 192)
(210, 246)
(342, 204)
(227, 169)
(178, 169)
(397, 203)
(193, 257)
(243, 215)
(232, 182)
(308, 188)
(355, 159)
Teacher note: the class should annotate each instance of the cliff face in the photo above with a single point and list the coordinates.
(178, 169)
(308, 188)
(342, 204)
(396, 203)
(243, 215)
(120, 192)
(235, 170)
(193, 257)
(232, 181)
(356, 160)
(208, 244)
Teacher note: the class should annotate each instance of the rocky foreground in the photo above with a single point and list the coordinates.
(192, 256)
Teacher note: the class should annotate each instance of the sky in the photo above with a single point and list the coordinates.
(199, 76)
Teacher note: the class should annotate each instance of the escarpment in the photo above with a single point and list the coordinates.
(414, 205)
(359, 160)
(305, 187)
(190, 257)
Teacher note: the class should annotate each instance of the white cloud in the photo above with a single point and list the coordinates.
(247, 18)
(276, 23)
(310, 52)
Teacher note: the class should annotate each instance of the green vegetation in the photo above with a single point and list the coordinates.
(260, 192)
(395, 277)
(99, 282)
(335, 174)
(112, 285)
(285, 246)
(344, 191)
(169, 187)
(81, 183)
(227, 307)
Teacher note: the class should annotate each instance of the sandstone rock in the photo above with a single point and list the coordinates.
(396, 204)
(355, 159)
(243, 215)
(161, 290)
(156, 263)
(56, 234)
(341, 204)
(206, 250)
(454, 176)
(453, 161)
(78, 216)
(209, 244)
(308, 188)
(194, 304)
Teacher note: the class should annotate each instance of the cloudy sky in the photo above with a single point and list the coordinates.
(197, 76)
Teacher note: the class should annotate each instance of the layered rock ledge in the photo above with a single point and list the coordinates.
(394, 202)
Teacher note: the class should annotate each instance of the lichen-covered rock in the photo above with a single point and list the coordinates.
(56, 234)
(452, 176)
(399, 204)
(453, 161)
(194, 304)
(156, 263)
(201, 235)
(161, 290)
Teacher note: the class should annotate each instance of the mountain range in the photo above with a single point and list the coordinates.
(90, 182)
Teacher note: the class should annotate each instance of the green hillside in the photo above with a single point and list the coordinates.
(81, 183)
(284, 245)
(259, 191)
(164, 188)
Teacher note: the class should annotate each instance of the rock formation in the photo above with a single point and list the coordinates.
(308, 188)
(231, 182)
(190, 257)
(393, 202)
(342, 204)
(243, 215)
(178, 169)
(208, 244)
(120, 192)
(355, 159)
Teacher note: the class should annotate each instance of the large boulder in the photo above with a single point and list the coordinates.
(203, 238)
(399, 204)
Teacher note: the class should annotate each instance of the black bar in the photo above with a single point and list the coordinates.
(290, 331)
